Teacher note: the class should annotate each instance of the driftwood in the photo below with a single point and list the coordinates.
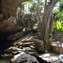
(32, 39)
(38, 44)
(37, 41)
(27, 39)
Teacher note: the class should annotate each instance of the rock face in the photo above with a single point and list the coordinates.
(8, 7)
(0, 6)
(6, 28)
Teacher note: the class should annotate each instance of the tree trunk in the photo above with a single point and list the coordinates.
(46, 22)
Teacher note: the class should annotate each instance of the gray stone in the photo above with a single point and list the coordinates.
(24, 58)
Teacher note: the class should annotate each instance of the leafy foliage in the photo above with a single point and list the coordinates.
(58, 21)
(58, 26)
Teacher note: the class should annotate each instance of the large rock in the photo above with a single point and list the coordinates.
(9, 7)
(24, 58)
(6, 28)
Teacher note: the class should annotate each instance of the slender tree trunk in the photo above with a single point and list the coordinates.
(46, 21)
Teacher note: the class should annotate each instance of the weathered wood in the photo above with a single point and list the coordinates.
(45, 25)
(38, 44)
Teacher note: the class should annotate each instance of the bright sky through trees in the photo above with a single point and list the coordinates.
(28, 4)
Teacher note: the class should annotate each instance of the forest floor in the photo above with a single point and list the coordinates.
(31, 45)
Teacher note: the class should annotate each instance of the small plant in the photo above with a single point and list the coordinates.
(58, 26)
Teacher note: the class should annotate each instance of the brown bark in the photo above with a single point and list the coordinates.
(46, 21)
